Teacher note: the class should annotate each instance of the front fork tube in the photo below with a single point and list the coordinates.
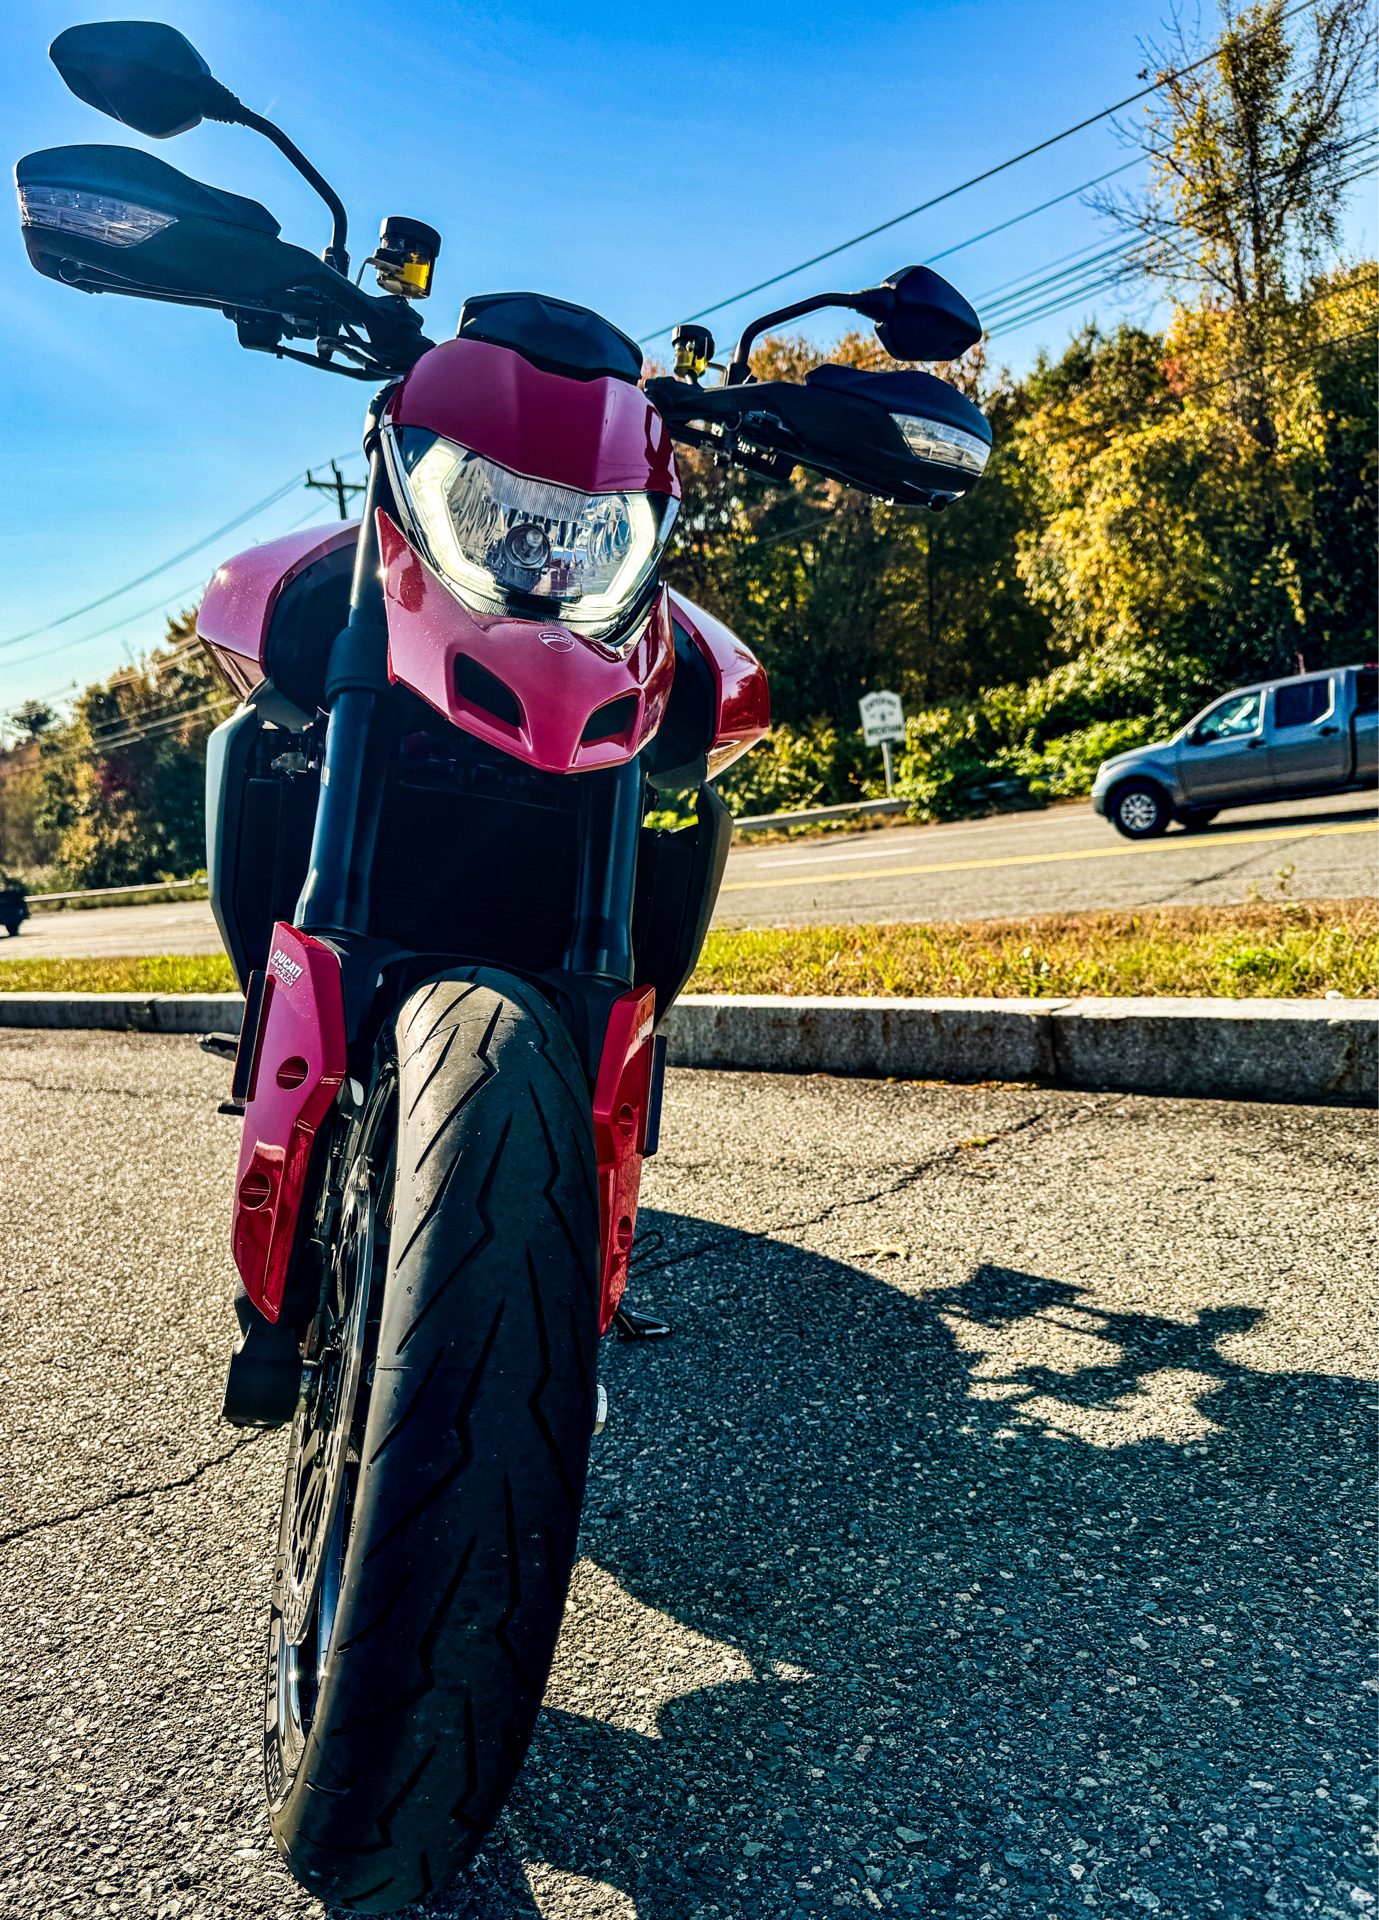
(610, 818)
(359, 748)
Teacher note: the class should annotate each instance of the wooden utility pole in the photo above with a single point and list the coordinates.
(339, 486)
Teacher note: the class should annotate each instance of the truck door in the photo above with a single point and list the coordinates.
(1309, 745)
(1224, 756)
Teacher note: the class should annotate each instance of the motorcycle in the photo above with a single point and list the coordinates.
(458, 939)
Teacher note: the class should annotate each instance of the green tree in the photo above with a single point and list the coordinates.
(123, 782)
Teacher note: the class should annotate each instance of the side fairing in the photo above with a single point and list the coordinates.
(743, 711)
(237, 610)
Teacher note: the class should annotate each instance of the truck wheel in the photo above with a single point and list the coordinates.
(438, 1457)
(1193, 819)
(1140, 810)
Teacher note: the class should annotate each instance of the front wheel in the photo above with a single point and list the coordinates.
(437, 1461)
(1140, 810)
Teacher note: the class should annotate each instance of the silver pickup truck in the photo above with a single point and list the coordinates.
(1282, 740)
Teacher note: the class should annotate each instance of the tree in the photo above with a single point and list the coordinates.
(33, 718)
(1249, 154)
(1210, 493)
(123, 783)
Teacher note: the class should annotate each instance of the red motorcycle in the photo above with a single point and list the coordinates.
(457, 939)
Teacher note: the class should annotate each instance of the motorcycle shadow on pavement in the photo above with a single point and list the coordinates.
(916, 1599)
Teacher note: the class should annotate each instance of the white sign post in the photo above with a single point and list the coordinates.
(883, 720)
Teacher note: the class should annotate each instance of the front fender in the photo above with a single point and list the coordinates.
(1161, 771)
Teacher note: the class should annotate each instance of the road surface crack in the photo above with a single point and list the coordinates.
(134, 1493)
(945, 1157)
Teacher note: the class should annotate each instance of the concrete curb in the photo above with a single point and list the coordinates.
(125, 1012)
(1299, 1051)
(1314, 1051)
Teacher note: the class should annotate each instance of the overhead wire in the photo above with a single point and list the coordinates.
(977, 179)
(249, 513)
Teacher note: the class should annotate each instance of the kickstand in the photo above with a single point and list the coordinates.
(640, 1326)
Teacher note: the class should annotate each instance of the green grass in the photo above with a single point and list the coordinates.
(162, 973)
(1287, 951)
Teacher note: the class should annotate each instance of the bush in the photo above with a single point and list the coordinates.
(792, 768)
(1023, 746)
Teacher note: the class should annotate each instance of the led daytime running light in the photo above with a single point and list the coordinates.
(945, 446)
(93, 216)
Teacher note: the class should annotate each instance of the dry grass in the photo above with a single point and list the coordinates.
(1294, 950)
(162, 973)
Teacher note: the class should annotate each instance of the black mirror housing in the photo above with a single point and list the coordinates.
(925, 318)
(141, 73)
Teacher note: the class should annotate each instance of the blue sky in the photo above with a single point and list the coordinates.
(645, 164)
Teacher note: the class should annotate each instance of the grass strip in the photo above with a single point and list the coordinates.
(1289, 950)
(159, 973)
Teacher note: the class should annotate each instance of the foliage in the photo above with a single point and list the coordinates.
(1163, 515)
(122, 784)
(1293, 949)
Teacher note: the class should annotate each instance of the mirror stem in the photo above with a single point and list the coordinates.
(224, 106)
(739, 367)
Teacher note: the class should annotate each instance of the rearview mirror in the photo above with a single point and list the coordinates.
(919, 316)
(139, 72)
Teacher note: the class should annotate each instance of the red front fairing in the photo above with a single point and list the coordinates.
(602, 436)
(558, 680)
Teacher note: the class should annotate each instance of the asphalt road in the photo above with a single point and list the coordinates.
(1065, 860)
(989, 1538)
(1062, 860)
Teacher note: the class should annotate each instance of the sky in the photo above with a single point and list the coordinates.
(645, 164)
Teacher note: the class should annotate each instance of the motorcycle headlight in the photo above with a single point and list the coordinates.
(505, 543)
(946, 446)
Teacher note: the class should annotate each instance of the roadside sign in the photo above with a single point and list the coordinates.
(883, 718)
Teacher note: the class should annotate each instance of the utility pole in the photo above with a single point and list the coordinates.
(339, 486)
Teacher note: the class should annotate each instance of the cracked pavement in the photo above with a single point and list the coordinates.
(988, 1538)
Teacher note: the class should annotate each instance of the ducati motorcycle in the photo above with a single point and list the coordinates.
(458, 941)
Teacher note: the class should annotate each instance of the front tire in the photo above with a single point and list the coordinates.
(403, 1687)
(1140, 810)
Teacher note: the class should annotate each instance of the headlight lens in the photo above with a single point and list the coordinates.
(116, 223)
(505, 543)
(946, 446)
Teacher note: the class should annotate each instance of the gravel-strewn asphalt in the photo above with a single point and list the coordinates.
(987, 1540)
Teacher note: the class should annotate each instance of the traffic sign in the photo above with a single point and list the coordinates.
(883, 718)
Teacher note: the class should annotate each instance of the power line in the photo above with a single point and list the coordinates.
(261, 506)
(950, 193)
(159, 724)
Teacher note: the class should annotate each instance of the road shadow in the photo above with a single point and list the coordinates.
(1362, 809)
(1003, 1573)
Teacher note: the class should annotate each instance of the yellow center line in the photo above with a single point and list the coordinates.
(1044, 859)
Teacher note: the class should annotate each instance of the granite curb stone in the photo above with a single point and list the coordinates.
(1310, 1051)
